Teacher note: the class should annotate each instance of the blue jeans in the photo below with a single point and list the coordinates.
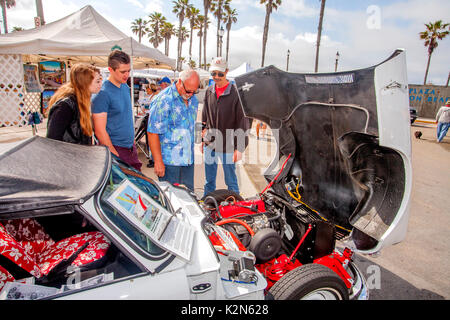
(229, 169)
(179, 174)
(442, 128)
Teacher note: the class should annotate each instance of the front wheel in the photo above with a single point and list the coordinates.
(310, 282)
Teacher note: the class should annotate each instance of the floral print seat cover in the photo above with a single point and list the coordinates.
(25, 243)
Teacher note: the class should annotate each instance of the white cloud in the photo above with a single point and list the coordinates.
(417, 11)
(248, 4)
(297, 9)
(153, 6)
(307, 36)
(22, 15)
(136, 3)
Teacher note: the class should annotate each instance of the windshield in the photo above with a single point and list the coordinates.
(121, 173)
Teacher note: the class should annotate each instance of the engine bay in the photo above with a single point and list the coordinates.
(275, 234)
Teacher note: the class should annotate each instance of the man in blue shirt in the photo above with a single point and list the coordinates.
(112, 114)
(171, 130)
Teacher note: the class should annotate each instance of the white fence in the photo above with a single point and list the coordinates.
(15, 103)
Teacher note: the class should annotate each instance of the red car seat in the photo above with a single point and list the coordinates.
(5, 277)
(25, 229)
(39, 257)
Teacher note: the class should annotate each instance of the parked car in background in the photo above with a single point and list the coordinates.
(413, 114)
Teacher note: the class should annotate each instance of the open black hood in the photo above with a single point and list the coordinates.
(339, 129)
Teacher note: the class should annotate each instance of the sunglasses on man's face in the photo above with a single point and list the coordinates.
(219, 74)
(189, 92)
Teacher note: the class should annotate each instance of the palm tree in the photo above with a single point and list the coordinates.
(217, 7)
(156, 22)
(15, 29)
(200, 22)
(167, 31)
(155, 38)
(319, 34)
(182, 60)
(138, 27)
(192, 64)
(6, 4)
(192, 14)
(270, 5)
(229, 19)
(206, 7)
(180, 8)
(433, 32)
(183, 35)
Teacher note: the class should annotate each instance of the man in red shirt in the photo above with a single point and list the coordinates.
(225, 135)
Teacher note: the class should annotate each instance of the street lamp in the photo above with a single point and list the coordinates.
(337, 59)
(287, 60)
(221, 33)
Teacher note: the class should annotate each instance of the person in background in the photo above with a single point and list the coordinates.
(260, 126)
(443, 121)
(154, 90)
(164, 83)
(112, 113)
(223, 116)
(171, 130)
(69, 117)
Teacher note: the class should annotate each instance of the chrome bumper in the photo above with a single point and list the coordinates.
(359, 290)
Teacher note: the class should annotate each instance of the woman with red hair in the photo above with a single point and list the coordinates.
(69, 117)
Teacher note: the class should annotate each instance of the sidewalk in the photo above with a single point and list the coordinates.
(12, 134)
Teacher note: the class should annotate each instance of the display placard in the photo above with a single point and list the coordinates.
(161, 226)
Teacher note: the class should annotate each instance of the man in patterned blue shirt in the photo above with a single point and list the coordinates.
(170, 130)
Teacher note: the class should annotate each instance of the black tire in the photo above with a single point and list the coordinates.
(310, 281)
(222, 194)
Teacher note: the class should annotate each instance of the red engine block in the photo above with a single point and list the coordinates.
(236, 209)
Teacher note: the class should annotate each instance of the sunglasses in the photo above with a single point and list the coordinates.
(220, 74)
(189, 92)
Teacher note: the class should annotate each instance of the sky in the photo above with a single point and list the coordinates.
(364, 32)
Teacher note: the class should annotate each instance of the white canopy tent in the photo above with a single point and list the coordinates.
(83, 36)
(243, 68)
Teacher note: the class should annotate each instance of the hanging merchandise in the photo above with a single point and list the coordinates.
(46, 95)
(52, 74)
(31, 78)
(34, 118)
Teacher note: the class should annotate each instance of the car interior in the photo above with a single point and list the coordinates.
(63, 252)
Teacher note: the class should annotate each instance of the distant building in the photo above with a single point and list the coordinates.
(428, 98)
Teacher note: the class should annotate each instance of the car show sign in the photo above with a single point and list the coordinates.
(164, 228)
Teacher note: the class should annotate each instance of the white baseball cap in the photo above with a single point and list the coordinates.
(218, 64)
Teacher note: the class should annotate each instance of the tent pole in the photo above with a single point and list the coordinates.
(132, 87)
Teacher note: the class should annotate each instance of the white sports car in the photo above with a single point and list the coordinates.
(77, 223)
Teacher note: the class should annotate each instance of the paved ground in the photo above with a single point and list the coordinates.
(417, 268)
(414, 269)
